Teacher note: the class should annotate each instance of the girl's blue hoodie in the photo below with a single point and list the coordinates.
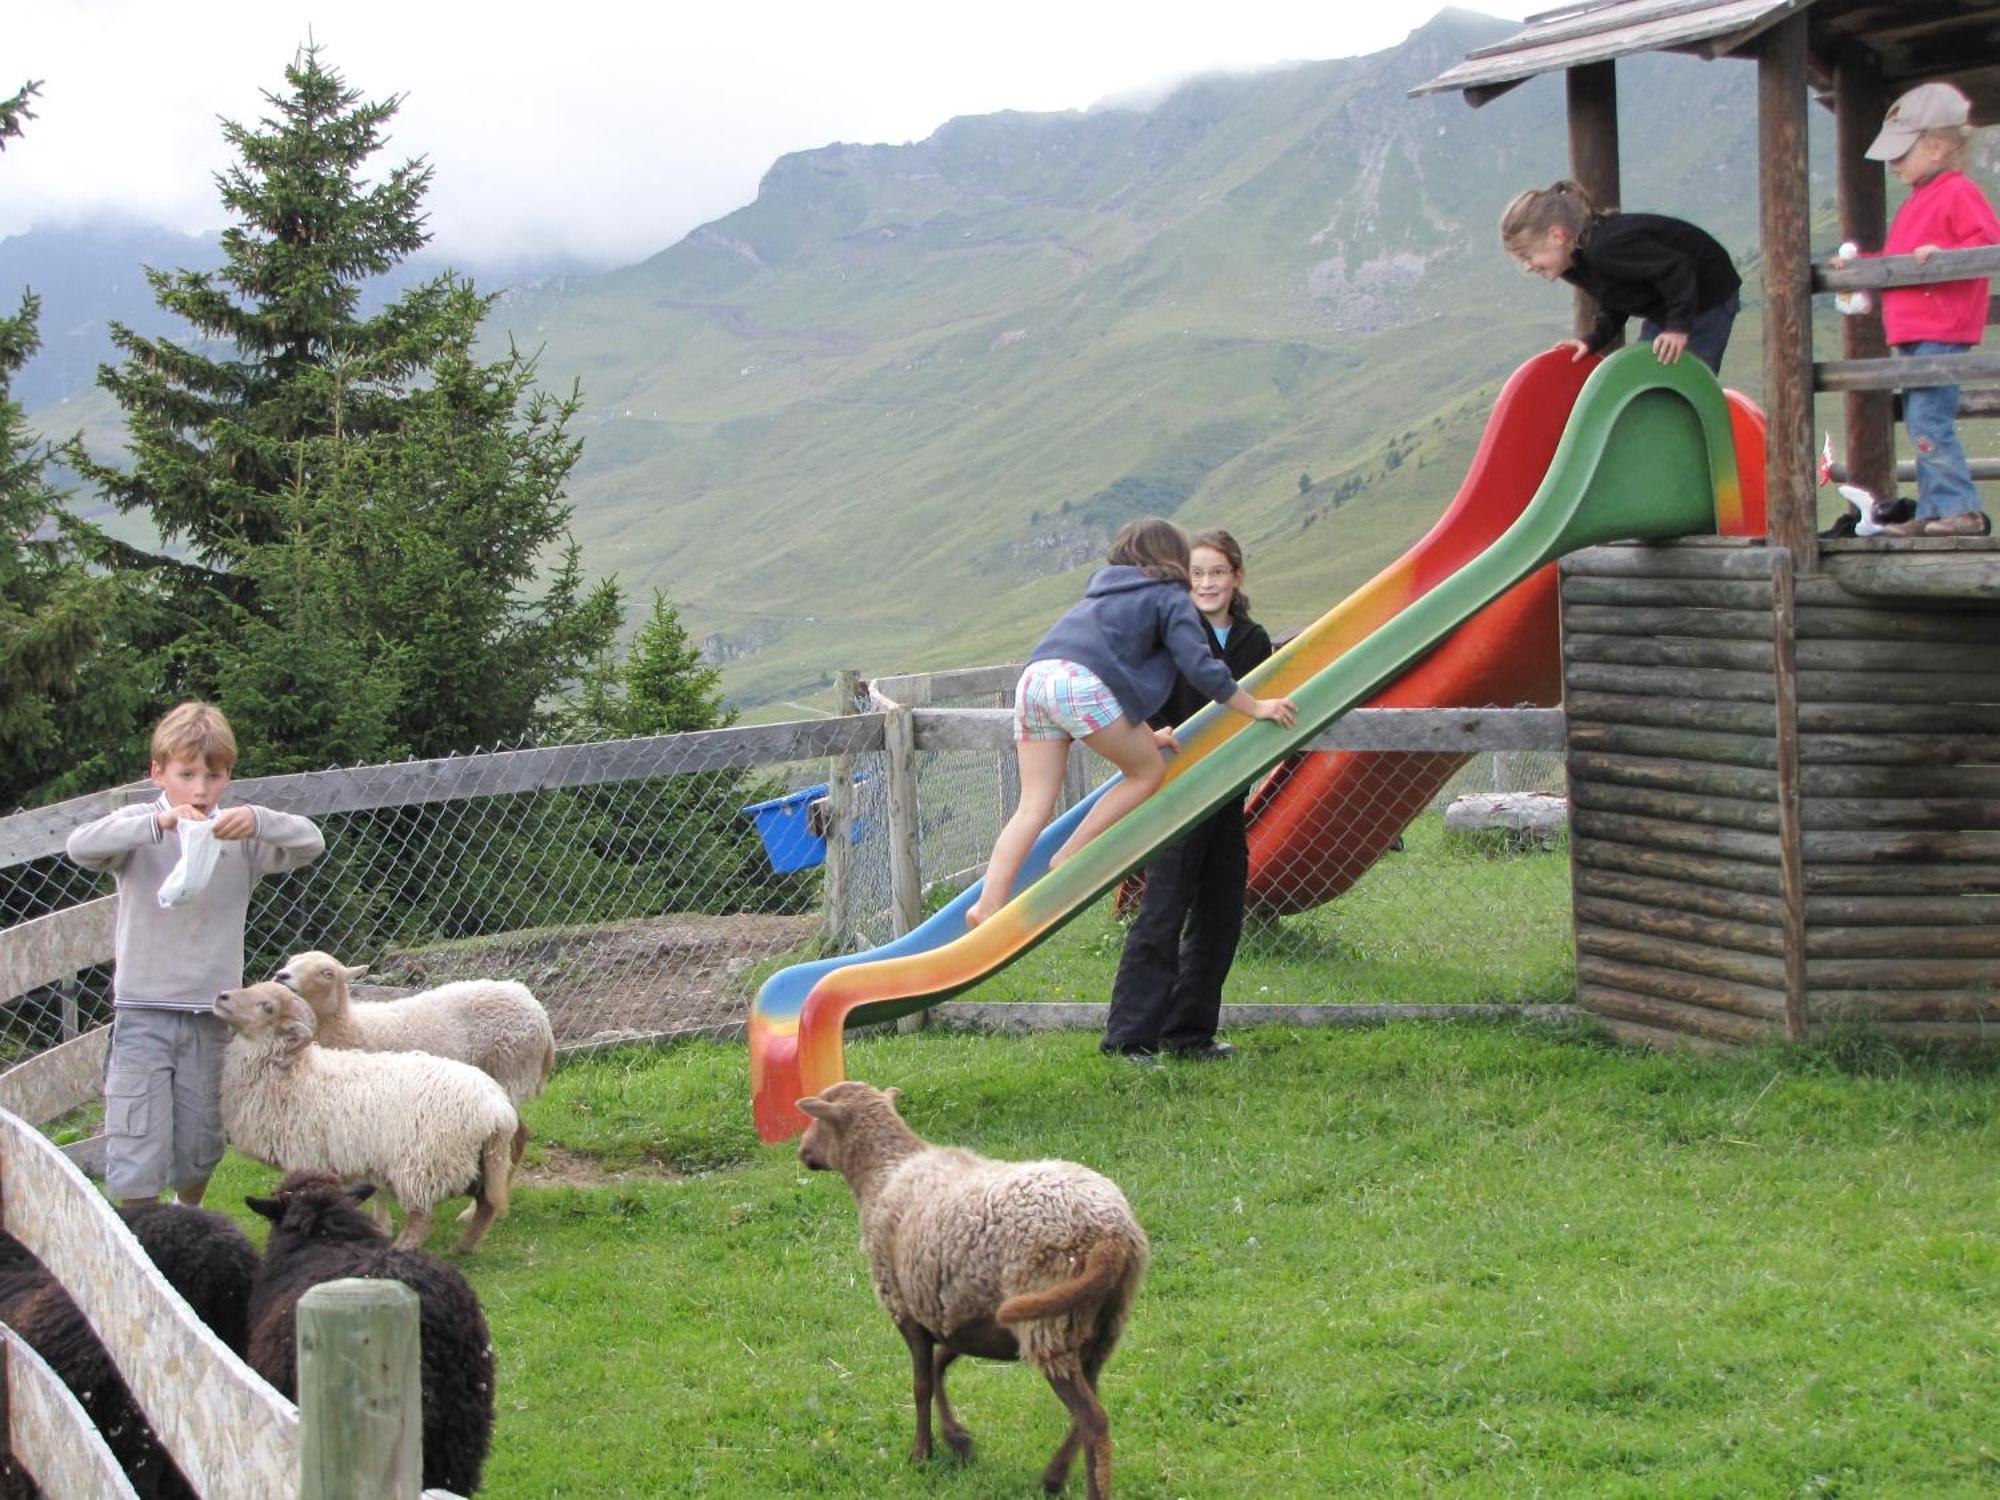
(1133, 631)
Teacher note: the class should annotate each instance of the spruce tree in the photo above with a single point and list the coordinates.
(353, 508)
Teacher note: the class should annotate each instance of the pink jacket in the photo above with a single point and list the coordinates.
(1948, 211)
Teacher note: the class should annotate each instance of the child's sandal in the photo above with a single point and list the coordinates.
(1965, 523)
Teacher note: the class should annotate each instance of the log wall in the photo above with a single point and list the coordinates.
(1786, 800)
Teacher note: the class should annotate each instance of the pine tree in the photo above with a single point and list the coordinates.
(353, 508)
(69, 706)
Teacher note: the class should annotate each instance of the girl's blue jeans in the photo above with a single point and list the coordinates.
(1944, 480)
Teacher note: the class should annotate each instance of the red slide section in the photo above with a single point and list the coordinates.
(1318, 821)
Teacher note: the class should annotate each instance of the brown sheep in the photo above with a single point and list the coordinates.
(1035, 1260)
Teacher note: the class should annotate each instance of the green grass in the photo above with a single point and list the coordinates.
(1418, 1260)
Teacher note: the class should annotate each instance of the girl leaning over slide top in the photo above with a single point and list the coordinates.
(1102, 670)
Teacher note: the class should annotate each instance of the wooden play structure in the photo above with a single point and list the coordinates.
(1784, 754)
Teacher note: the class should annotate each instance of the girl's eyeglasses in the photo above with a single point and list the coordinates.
(1211, 575)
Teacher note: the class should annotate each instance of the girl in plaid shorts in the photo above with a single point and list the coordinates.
(1102, 670)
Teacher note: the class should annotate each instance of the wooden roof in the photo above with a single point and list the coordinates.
(1910, 41)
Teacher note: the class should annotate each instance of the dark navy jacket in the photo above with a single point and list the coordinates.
(1249, 646)
(1133, 631)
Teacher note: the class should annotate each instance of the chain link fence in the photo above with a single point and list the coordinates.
(628, 886)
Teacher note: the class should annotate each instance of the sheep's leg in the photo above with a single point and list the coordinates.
(1089, 1427)
(416, 1228)
(955, 1435)
(919, 1339)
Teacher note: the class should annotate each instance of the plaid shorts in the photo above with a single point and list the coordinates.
(1059, 700)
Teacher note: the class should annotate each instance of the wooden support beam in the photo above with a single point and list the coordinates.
(1858, 105)
(1593, 153)
(1785, 210)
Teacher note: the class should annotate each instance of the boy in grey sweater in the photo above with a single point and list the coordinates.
(163, 1083)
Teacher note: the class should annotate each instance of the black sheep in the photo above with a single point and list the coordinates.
(203, 1255)
(319, 1233)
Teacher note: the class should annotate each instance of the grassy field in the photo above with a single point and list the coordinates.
(1420, 1260)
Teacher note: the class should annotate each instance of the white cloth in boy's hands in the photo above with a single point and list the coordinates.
(189, 877)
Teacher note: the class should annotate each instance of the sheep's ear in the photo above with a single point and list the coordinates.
(295, 1032)
(818, 1108)
(353, 971)
(892, 1094)
(270, 1208)
(361, 1192)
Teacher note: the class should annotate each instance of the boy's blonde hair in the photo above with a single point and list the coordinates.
(1534, 213)
(197, 731)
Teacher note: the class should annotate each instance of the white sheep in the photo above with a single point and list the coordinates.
(423, 1127)
(1036, 1260)
(497, 1025)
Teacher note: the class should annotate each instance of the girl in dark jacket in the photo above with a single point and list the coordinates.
(1100, 674)
(1168, 993)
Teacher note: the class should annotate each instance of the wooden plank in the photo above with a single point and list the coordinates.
(1642, 920)
(1868, 620)
(1688, 744)
(1671, 1017)
(1730, 624)
(1891, 908)
(1685, 838)
(1792, 886)
(1675, 775)
(1618, 650)
(1921, 568)
(1831, 592)
(1903, 972)
(1894, 1006)
(1664, 1039)
(1930, 940)
(1699, 558)
(1895, 687)
(57, 946)
(1675, 865)
(1669, 682)
(1968, 661)
(1677, 594)
(1681, 895)
(1454, 731)
(1899, 749)
(53, 1082)
(1977, 782)
(27, 836)
(1895, 848)
(1883, 813)
(1901, 718)
(1906, 270)
(1956, 878)
(1586, 707)
(49, 1432)
(1900, 372)
(1683, 988)
(239, 1440)
(1758, 971)
(1679, 807)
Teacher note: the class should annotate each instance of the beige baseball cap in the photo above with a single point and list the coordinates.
(1928, 106)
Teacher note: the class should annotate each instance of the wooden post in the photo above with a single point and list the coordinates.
(1010, 768)
(1858, 105)
(906, 883)
(360, 1396)
(1593, 154)
(838, 881)
(1791, 835)
(1788, 374)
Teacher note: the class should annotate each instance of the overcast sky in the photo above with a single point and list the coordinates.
(604, 130)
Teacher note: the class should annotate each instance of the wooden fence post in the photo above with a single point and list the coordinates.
(906, 880)
(839, 881)
(360, 1397)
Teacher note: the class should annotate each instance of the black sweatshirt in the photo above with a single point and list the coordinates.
(1649, 266)
(1249, 646)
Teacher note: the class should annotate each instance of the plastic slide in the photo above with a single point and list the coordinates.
(1320, 820)
(1647, 453)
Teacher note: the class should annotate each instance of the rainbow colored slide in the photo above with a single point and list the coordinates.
(1319, 821)
(1647, 452)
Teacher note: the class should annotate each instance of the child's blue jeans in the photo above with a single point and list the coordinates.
(1930, 412)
